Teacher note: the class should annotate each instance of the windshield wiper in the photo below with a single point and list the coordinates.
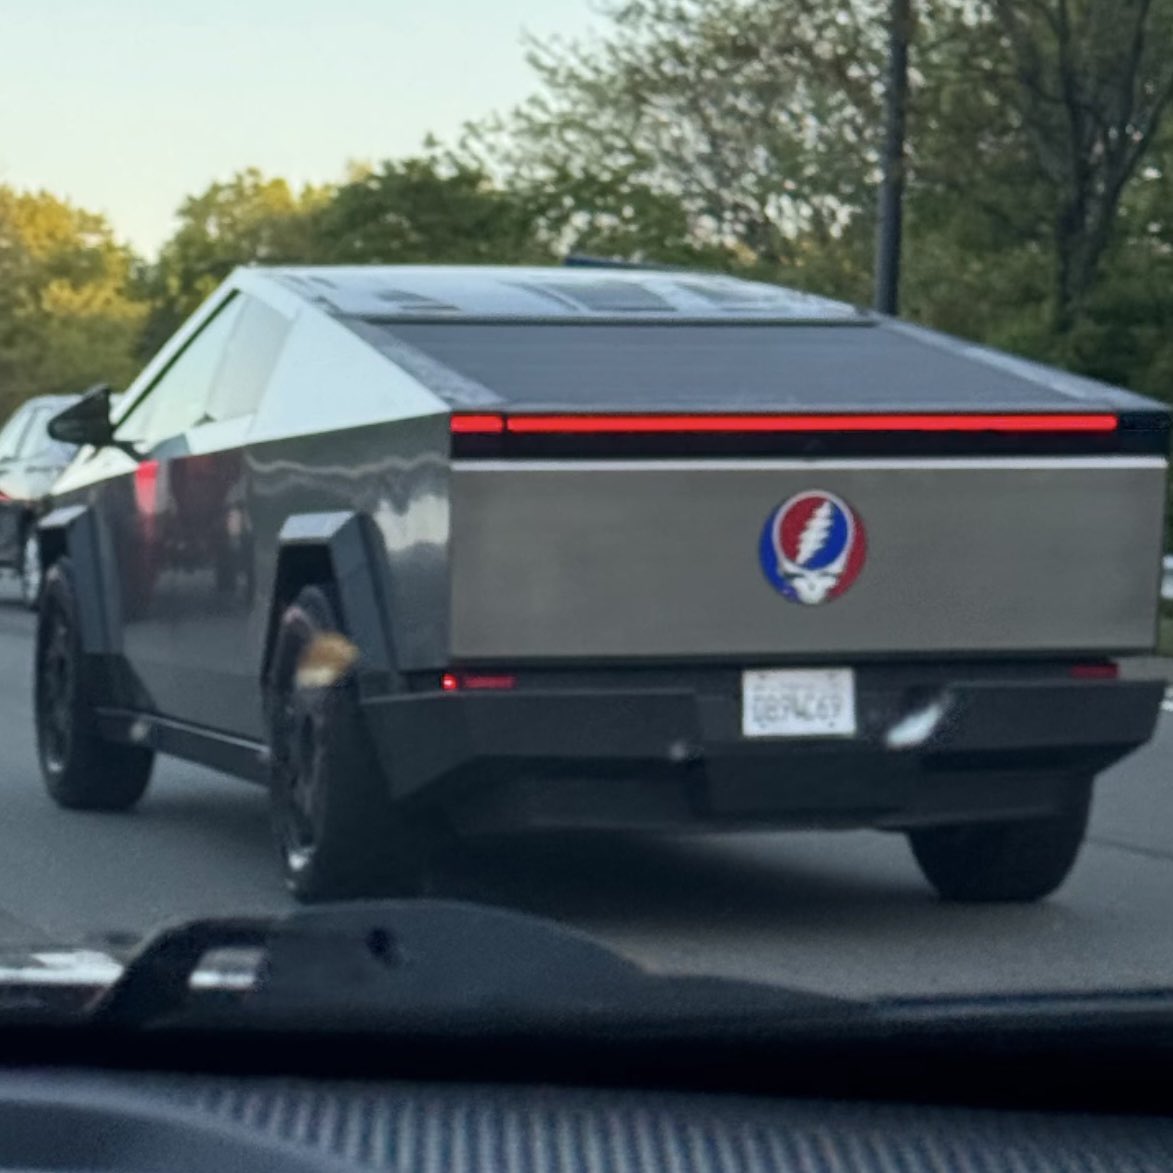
(432, 966)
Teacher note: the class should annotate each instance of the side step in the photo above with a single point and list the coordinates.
(219, 751)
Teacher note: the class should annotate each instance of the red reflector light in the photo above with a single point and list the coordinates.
(677, 424)
(453, 682)
(487, 681)
(477, 425)
(146, 483)
(1094, 671)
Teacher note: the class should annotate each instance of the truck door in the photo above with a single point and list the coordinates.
(176, 518)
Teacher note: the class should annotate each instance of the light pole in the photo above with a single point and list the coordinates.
(889, 213)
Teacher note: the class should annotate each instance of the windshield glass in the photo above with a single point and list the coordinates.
(662, 467)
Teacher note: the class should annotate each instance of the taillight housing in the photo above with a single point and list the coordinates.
(477, 681)
(523, 434)
(1101, 670)
(620, 423)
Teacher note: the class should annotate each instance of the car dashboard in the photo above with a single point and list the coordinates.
(74, 1119)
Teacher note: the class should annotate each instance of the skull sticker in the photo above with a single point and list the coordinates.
(812, 547)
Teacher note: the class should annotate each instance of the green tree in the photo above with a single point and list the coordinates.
(67, 317)
(430, 209)
(247, 219)
(758, 120)
(1057, 103)
(753, 123)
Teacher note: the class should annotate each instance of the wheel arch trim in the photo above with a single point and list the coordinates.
(338, 548)
(73, 531)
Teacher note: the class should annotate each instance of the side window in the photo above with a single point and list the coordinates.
(179, 397)
(35, 438)
(249, 359)
(57, 451)
(13, 433)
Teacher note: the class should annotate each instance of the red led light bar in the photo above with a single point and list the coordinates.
(617, 424)
(566, 425)
(487, 681)
(1095, 671)
(477, 425)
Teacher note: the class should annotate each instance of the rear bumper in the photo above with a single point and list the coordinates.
(674, 756)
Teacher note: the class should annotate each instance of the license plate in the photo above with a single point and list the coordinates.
(800, 702)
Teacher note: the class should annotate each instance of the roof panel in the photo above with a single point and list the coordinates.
(413, 291)
(406, 300)
(532, 356)
(604, 295)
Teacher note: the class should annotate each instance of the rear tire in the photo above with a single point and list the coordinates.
(1012, 862)
(338, 833)
(81, 769)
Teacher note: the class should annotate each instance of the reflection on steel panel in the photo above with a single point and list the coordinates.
(617, 559)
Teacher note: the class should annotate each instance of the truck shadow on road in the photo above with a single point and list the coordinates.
(671, 880)
(842, 913)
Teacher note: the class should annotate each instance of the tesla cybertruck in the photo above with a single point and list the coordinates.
(429, 549)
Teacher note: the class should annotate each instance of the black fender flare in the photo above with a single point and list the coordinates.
(73, 531)
(338, 548)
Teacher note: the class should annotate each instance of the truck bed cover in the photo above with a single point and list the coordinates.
(735, 366)
(538, 339)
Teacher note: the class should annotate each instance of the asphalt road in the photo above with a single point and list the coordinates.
(842, 913)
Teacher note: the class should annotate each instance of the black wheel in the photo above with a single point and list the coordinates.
(82, 771)
(1003, 862)
(337, 830)
(30, 568)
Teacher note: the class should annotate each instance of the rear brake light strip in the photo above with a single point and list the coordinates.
(494, 424)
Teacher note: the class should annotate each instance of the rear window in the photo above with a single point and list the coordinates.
(650, 366)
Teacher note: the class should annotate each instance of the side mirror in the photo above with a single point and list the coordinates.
(87, 421)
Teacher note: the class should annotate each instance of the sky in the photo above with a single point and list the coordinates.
(127, 106)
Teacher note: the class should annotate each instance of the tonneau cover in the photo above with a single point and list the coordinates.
(589, 365)
(539, 338)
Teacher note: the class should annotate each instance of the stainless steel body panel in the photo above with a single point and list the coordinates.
(177, 567)
(394, 473)
(195, 572)
(621, 559)
(193, 529)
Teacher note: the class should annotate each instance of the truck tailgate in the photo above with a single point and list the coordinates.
(642, 558)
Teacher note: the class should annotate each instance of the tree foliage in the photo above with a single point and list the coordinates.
(430, 209)
(1032, 123)
(1062, 100)
(750, 127)
(67, 317)
(247, 219)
